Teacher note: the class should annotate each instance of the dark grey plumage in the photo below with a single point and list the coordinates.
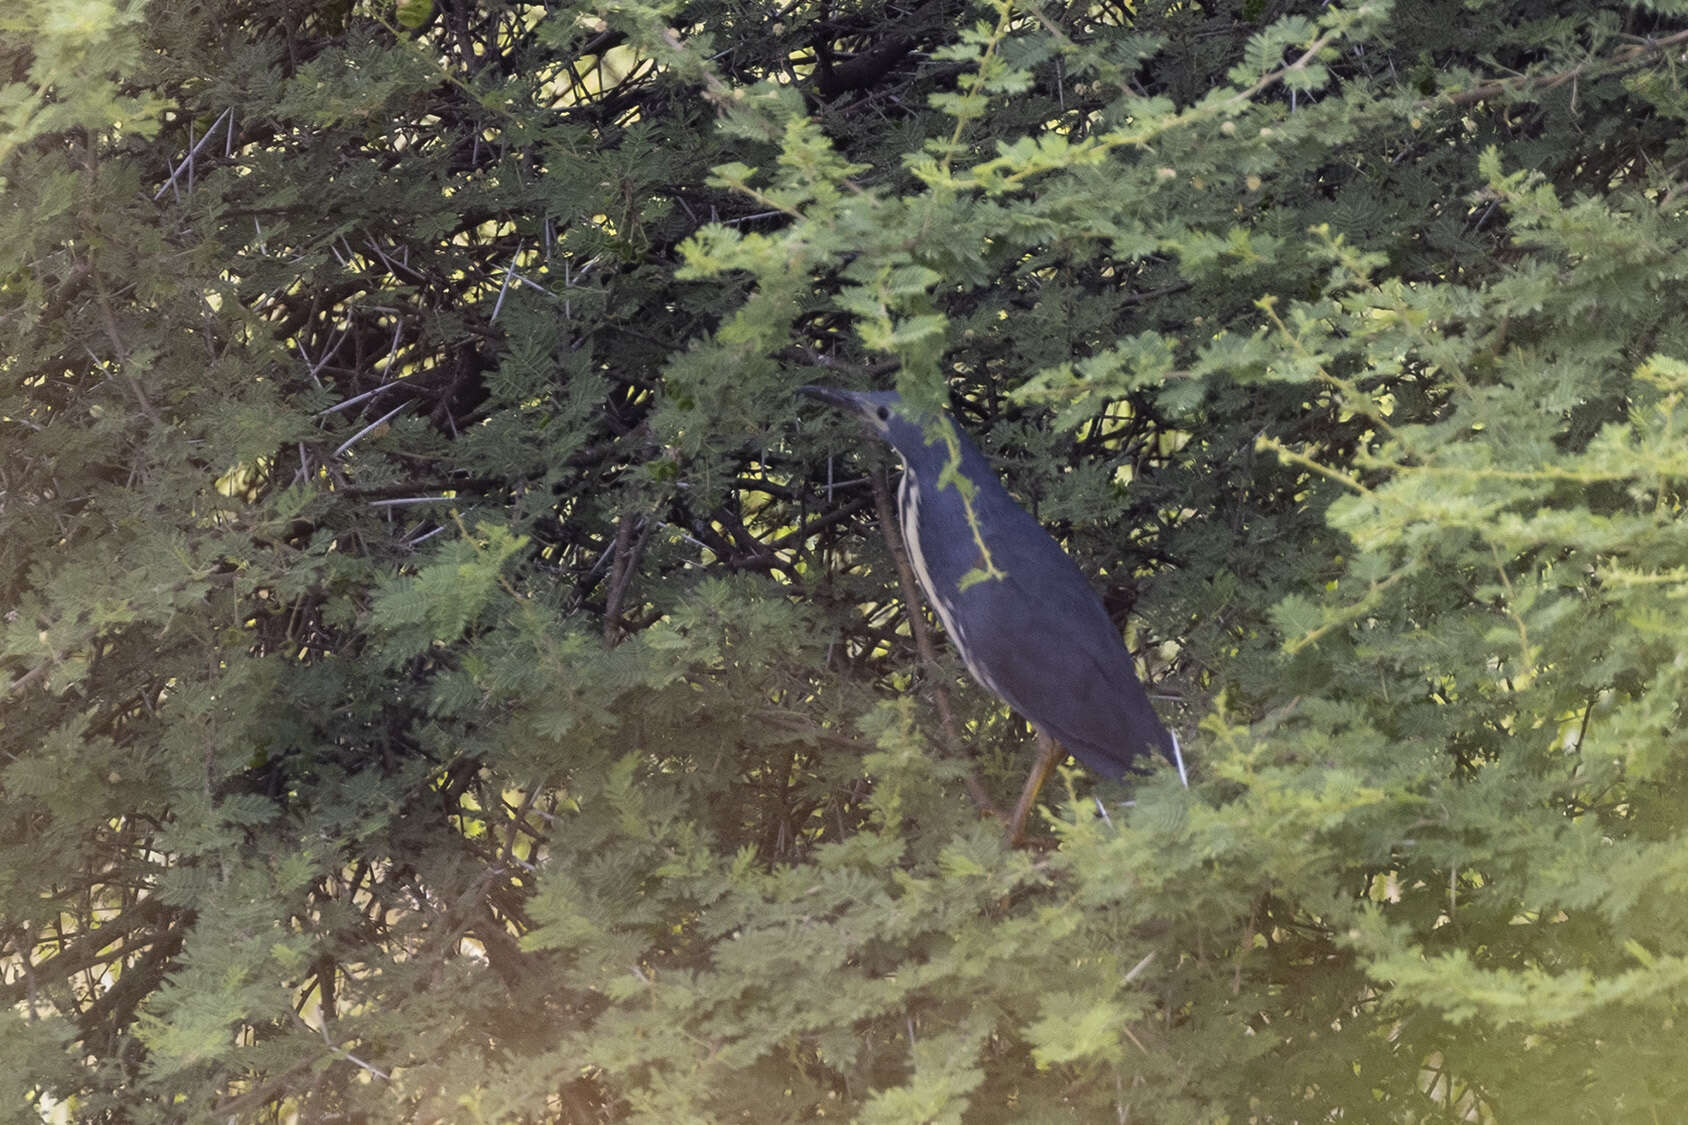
(1039, 638)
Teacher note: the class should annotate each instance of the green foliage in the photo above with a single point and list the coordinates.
(449, 676)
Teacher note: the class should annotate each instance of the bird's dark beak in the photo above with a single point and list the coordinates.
(832, 396)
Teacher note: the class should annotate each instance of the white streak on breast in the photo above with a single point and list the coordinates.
(908, 510)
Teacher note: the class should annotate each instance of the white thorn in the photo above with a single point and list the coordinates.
(1178, 758)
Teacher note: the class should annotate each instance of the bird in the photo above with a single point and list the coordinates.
(1021, 614)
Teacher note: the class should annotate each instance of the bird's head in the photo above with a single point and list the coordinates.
(887, 416)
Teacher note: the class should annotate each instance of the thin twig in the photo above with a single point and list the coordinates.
(187, 161)
(29, 677)
(516, 820)
(406, 501)
(109, 320)
(509, 272)
(349, 442)
(393, 351)
(1536, 83)
(628, 548)
(355, 399)
(317, 365)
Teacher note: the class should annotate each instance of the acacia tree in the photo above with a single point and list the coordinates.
(449, 677)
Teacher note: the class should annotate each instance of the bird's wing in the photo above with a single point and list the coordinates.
(1050, 650)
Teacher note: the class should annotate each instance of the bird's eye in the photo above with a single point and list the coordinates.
(884, 413)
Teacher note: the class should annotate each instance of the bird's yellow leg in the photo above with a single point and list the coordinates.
(1048, 753)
